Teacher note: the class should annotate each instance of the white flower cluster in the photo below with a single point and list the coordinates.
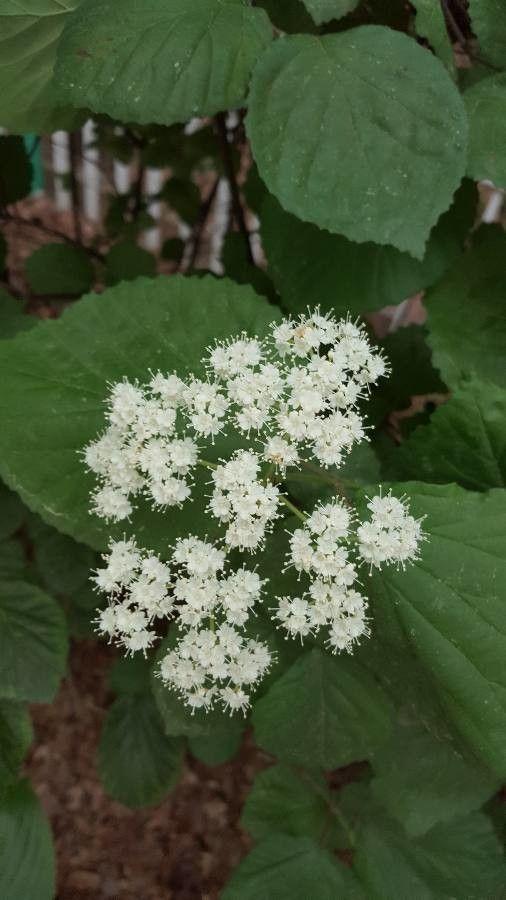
(320, 550)
(139, 588)
(213, 661)
(323, 549)
(241, 501)
(294, 397)
(391, 535)
(296, 392)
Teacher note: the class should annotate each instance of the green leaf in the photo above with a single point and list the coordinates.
(126, 261)
(183, 196)
(288, 803)
(288, 15)
(449, 608)
(430, 24)
(30, 31)
(138, 763)
(322, 712)
(64, 565)
(486, 109)
(219, 746)
(459, 859)
(488, 21)
(323, 10)
(359, 150)
(467, 325)
(464, 441)
(422, 779)
(12, 317)
(164, 61)
(12, 560)
(238, 267)
(310, 266)
(16, 735)
(12, 512)
(291, 868)
(173, 249)
(54, 386)
(33, 643)
(15, 169)
(130, 675)
(59, 269)
(27, 868)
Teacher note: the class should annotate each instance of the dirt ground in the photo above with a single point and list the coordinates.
(185, 848)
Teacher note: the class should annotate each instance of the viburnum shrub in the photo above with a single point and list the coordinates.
(267, 463)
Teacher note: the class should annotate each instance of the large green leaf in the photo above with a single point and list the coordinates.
(291, 868)
(488, 20)
(323, 712)
(30, 30)
(467, 318)
(219, 747)
(162, 60)
(486, 109)
(430, 24)
(287, 802)
(27, 870)
(343, 141)
(33, 643)
(449, 607)
(59, 269)
(461, 859)
(464, 441)
(12, 317)
(138, 763)
(55, 384)
(324, 10)
(63, 564)
(311, 266)
(16, 735)
(422, 779)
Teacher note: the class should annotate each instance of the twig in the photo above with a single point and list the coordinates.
(459, 36)
(39, 226)
(200, 224)
(74, 187)
(228, 165)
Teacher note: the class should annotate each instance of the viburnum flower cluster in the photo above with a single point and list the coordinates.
(291, 400)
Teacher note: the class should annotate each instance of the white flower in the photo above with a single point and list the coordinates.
(207, 667)
(294, 613)
(198, 557)
(391, 535)
(243, 502)
(230, 359)
(111, 503)
(280, 452)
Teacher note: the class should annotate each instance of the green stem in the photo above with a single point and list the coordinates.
(294, 509)
(206, 464)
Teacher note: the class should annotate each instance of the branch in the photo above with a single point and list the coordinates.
(200, 224)
(228, 165)
(39, 226)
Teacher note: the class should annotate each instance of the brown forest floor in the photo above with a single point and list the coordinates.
(185, 848)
